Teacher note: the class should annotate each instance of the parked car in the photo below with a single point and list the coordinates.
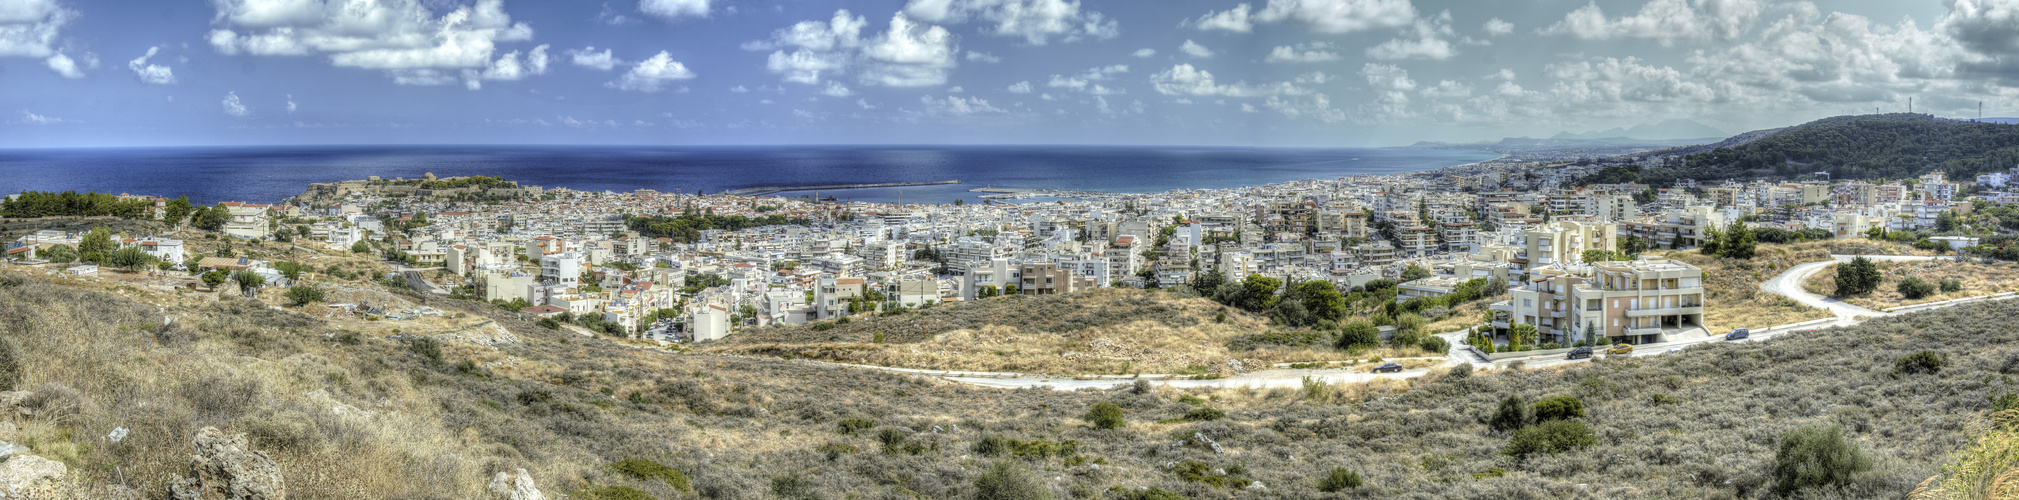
(1579, 353)
(1618, 349)
(1389, 367)
(1738, 334)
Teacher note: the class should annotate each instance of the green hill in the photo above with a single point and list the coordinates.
(1888, 146)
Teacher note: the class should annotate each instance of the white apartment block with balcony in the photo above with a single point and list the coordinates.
(1653, 300)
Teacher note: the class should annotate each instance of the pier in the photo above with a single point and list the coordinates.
(761, 191)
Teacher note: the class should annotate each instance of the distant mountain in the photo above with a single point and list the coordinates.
(1887, 146)
(1665, 130)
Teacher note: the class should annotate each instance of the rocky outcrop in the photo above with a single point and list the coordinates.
(515, 486)
(25, 476)
(225, 469)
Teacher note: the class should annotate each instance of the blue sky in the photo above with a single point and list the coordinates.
(1221, 72)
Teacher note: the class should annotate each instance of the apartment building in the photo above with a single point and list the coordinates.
(1635, 302)
(1050, 279)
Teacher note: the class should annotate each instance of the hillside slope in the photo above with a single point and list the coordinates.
(1888, 146)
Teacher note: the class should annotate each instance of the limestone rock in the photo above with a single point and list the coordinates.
(515, 486)
(25, 473)
(224, 469)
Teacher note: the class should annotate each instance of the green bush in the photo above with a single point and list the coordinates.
(850, 425)
(1951, 286)
(1152, 493)
(1921, 362)
(1205, 414)
(1514, 413)
(1359, 335)
(1816, 456)
(646, 470)
(1340, 479)
(301, 295)
(1915, 288)
(1559, 408)
(821, 327)
(1195, 471)
(1857, 277)
(10, 364)
(614, 493)
(427, 347)
(792, 485)
(1007, 480)
(1554, 436)
(1105, 415)
(1434, 344)
(550, 324)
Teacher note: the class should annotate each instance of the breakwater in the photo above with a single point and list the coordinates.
(761, 191)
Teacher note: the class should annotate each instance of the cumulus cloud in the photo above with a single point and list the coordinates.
(908, 54)
(30, 117)
(1183, 79)
(1497, 27)
(290, 104)
(1666, 21)
(836, 89)
(590, 58)
(1317, 106)
(1193, 49)
(151, 74)
(674, 9)
(1303, 53)
(1020, 88)
(1323, 16)
(508, 67)
(1037, 21)
(28, 28)
(982, 57)
(404, 38)
(64, 65)
(1424, 39)
(653, 74)
(233, 107)
(1145, 52)
(1084, 81)
(957, 106)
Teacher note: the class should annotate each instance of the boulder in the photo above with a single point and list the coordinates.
(225, 469)
(22, 474)
(515, 486)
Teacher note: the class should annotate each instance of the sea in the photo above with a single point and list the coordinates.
(271, 174)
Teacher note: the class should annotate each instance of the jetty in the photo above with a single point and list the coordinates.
(761, 191)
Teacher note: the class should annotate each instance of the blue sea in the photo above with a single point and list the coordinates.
(270, 174)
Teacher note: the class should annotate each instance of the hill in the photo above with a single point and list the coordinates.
(363, 416)
(1665, 130)
(1887, 146)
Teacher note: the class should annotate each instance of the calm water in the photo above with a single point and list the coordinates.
(270, 174)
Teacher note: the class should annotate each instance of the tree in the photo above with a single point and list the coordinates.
(1322, 299)
(1258, 292)
(1816, 456)
(1946, 221)
(1915, 288)
(291, 270)
(60, 254)
(248, 282)
(1514, 413)
(1521, 337)
(1738, 242)
(211, 218)
(1414, 272)
(96, 246)
(214, 278)
(1358, 335)
(1857, 277)
(1559, 408)
(131, 259)
(361, 247)
(1105, 415)
(176, 210)
(301, 295)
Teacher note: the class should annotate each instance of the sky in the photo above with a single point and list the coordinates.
(1277, 73)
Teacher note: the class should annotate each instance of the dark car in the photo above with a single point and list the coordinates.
(1389, 367)
(1579, 353)
(1738, 334)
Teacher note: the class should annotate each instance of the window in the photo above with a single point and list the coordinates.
(1615, 322)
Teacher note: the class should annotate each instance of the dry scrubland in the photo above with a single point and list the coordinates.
(1977, 278)
(1732, 295)
(365, 417)
(1104, 331)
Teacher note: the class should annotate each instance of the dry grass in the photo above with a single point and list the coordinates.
(1977, 278)
(1732, 295)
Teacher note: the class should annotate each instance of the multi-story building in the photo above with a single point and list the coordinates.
(1050, 279)
(1634, 302)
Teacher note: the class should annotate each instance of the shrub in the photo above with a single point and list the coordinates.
(550, 324)
(1857, 277)
(1921, 362)
(1340, 479)
(850, 425)
(614, 493)
(301, 295)
(1554, 436)
(792, 485)
(821, 327)
(1140, 386)
(1915, 288)
(10, 364)
(1153, 493)
(1359, 335)
(1514, 413)
(1460, 372)
(1951, 285)
(1205, 414)
(1195, 471)
(646, 470)
(1559, 408)
(1006, 480)
(1434, 344)
(1816, 456)
(427, 347)
(1105, 415)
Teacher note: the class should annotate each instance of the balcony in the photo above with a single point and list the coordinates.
(1652, 330)
(1664, 311)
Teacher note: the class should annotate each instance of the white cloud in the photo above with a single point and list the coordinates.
(1323, 16)
(290, 104)
(233, 107)
(1424, 39)
(674, 9)
(1317, 106)
(836, 89)
(982, 57)
(1195, 50)
(1303, 53)
(1037, 21)
(30, 117)
(1497, 27)
(1183, 79)
(1664, 20)
(957, 106)
(652, 75)
(1020, 88)
(64, 65)
(404, 38)
(1145, 52)
(151, 74)
(955, 89)
(28, 28)
(508, 68)
(1447, 89)
(1083, 81)
(908, 54)
(739, 89)
(589, 57)
(864, 103)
